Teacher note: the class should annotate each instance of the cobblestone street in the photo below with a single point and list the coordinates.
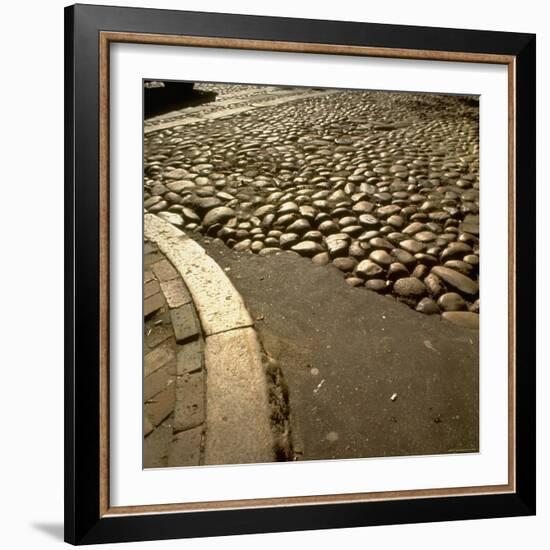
(375, 191)
(383, 185)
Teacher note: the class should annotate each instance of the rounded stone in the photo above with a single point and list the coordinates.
(426, 259)
(433, 284)
(462, 267)
(389, 210)
(285, 219)
(363, 207)
(409, 287)
(412, 246)
(346, 265)
(269, 251)
(352, 230)
(307, 248)
(381, 257)
(268, 220)
(471, 259)
(188, 215)
(328, 227)
(159, 206)
(346, 221)
(218, 215)
(403, 257)
(263, 210)
(299, 226)
(172, 217)
(427, 306)
(313, 235)
(397, 271)
(396, 221)
(337, 247)
(369, 270)
(414, 228)
(378, 285)
(456, 251)
(420, 271)
(204, 204)
(242, 245)
(425, 236)
(456, 280)
(286, 240)
(288, 208)
(380, 243)
(369, 221)
(321, 259)
(463, 318)
(451, 301)
(356, 250)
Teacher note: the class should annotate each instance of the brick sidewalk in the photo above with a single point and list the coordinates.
(173, 368)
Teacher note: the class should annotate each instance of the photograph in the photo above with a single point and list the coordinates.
(311, 262)
(280, 231)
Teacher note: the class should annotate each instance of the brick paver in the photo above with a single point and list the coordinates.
(173, 368)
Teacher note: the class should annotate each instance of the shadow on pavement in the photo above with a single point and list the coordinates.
(162, 97)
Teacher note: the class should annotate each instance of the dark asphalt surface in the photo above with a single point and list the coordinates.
(366, 375)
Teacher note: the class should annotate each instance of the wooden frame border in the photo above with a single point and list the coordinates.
(105, 39)
(104, 513)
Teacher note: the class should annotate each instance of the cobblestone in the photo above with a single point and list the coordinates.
(346, 172)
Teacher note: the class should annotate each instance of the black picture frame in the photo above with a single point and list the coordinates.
(84, 521)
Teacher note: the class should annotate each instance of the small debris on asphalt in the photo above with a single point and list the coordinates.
(319, 386)
(429, 345)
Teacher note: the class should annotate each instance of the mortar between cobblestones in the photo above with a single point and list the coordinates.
(238, 426)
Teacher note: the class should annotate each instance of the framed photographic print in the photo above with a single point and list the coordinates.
(300, 278)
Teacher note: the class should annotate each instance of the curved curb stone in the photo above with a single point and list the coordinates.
(238, 426)
(220, 306)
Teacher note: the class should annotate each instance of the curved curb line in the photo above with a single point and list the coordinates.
(220, 306)
(238, 426)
